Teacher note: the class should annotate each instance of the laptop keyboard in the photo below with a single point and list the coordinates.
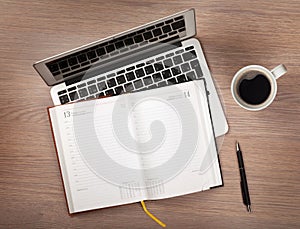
(174, 67)
(82, 61)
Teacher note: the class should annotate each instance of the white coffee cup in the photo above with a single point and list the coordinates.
(250, 72)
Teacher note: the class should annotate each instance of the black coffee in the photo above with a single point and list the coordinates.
(256, 90)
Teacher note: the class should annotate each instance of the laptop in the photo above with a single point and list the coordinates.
(156, 54)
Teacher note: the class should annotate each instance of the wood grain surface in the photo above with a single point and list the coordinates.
(233, 34)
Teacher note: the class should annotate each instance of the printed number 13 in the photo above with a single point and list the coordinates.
(67, 114)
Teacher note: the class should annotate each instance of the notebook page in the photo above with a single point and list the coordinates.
(203, 170)
(86, 188)
(159, 115)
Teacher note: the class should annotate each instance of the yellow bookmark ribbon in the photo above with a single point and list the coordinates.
(152, 216)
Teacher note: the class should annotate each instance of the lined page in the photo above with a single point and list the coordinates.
(88, 188)
(203, 169)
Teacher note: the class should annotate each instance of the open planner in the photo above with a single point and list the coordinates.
(146, 145)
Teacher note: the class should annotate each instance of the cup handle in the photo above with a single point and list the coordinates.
(279, 71)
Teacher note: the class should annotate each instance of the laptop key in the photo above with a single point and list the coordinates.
(100, 78)
(63, 64)
(171, 81)
(169, 55)
(177, 60)
(176, 71)
(138, 38)
(130, 76)
(72, 61)
(160, 24)
(140, 65)
(189, 55)
(185, 67)
(169, 21)
(147, 80)
(138, 84)
(158, 66)
(191, 75)
(92, 89)
(71, 88)
(121, 79)
(149, 69)
(64, 99)
(196, 66)
(81, 85)
(100, 51)
(91, 54)
(163, 36)
(110, 48)
(168, 63)
(61, 92)
(157, 77)
(150, 61)
(141, 31)
(157, 32)
(111, 75)
(121, 72)
(109, 92)
(83, 92)
(102, 86)
(73, 95)
(82, 58)
(129, 41)
(91, 82)
(178, 18)
(53, 67)
(166, 74)
(160, 58)
(178, 24)
(166, 28)
(128, 87)
(179, 51)
(99, 95)
(130, 68)
(189, 48)
(111, 83)
(119, 90)
(150, 27)
(148, 35)
(139, 72)
(120, 44)
(162, 84)
(181, 79)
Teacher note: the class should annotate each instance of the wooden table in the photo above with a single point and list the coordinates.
(233, 34)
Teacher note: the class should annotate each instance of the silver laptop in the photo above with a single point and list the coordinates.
(156, 54)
